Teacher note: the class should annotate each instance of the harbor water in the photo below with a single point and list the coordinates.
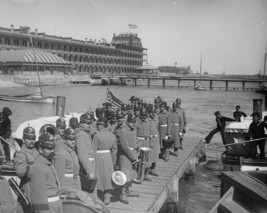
(197, 194)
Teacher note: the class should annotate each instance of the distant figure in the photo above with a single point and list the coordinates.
(238, 114)
(221, 122)
(5, 130)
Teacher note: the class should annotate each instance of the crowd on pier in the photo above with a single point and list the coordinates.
(86, 154)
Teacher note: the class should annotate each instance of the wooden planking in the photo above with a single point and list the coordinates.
(152, 195)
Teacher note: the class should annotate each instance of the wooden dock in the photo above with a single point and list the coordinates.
(152, 195)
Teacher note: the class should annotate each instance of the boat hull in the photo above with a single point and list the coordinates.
(48, 99)
(234, 163)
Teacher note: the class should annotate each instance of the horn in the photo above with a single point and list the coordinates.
(50, 128)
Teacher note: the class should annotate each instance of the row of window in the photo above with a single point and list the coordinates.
(59, 47)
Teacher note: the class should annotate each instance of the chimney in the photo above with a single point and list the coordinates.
(86, 40)
(36, 32)
(12, 28)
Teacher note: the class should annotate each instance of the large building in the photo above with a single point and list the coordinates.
(122, 56)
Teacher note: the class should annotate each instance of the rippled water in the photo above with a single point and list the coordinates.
(198, 194)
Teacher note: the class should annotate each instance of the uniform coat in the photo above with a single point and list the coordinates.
(177, 126)
(66, 162)
(105, 162)
(164, 126)
(85, 150)
(23, 161)
(128, 142)
(59, 141)
(154, 139)
(181, 111)
(44, 184)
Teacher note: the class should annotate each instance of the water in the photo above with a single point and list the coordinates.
(196, 195)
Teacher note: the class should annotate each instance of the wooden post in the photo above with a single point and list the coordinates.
(179, 84)
(195, 83)
(226, 85)
(163, 83)
(211, 85)
(243, 85)
(148, 82)
(257, 106)
(135, 82)
(60, 106)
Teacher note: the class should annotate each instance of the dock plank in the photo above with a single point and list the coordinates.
(152, 195)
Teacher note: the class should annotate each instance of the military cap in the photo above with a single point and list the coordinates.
(131, 119)
(178, 100)
(73, 123)
(119, 116)
(163, 104)
(61, 123)
(102, 121)
(46, 140)
(69, 133)
(29, 133)
(143, 113)
(217, 113)
(255, 114)
(238, 106)
(98, 111)
(7, 111)
(86, 118)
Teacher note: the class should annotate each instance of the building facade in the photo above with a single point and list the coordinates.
(122, 56)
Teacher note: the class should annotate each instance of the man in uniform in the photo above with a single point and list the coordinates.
(73, 123)
(24, 160)
(221, 122)
(44, 183)
(5, 130)
(143, 137)
(176, 128)
(85, 149)
(118, 129)
(256, 131)
(238, 114)
(153, 142)
(128, 156)
(61, 126)
(181, 111)
(106, 152)
(67, 164)
(164, 128)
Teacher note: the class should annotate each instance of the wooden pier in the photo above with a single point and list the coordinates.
(152, 195)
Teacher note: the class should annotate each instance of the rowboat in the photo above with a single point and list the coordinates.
(28, 99)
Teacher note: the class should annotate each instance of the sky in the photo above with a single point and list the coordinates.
(231, 35)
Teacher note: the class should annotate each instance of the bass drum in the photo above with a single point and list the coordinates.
(83, 202)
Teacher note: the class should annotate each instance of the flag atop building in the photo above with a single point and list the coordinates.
(132, 26)
(115, 102)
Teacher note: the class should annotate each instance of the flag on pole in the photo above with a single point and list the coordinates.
(115, 102)
(132, 26)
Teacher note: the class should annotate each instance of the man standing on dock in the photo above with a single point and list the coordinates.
(221, 122)
(181, 111)
(61, 126)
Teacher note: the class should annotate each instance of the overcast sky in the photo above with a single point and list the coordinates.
(230, 34)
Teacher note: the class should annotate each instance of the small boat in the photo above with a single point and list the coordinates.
(237, 156)
(199, 87)
(35, 97)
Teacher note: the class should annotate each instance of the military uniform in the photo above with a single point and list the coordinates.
(154, 141)
(164, 126)
(105, 144)
(59, 141)
(176, 128)
(45, 186)
(23, 161)
(5, 130)
(67, 167)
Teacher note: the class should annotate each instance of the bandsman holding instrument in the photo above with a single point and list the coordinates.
(181, 111)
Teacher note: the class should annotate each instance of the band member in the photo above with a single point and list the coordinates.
(24, 160)
(85, 149)
(154, 141)
(44, 183)
(164, 127)
(182, 112)
(128, 156)
(143, 138)
(67, 164)
(61, 126)
(5, 130)
(105, 143)
(74, 123)
(177, 128)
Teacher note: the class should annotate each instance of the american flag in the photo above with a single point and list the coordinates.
(115, 102)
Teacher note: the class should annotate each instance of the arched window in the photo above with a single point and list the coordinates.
(7, 41)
